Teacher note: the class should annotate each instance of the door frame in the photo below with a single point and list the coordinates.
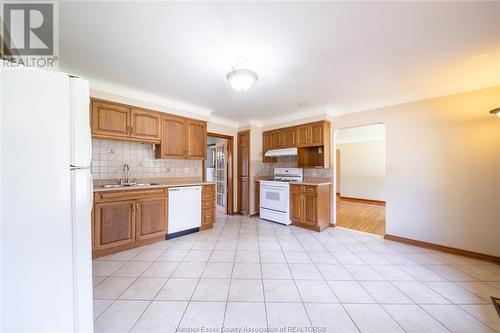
(249, 175)
(230, 169)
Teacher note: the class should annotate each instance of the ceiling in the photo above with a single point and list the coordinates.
(311, 57)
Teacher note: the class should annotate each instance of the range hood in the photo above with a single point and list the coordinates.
(281, 152)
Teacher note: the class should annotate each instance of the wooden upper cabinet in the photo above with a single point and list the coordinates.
(114, 224)
(182, 138)
(196, 139)
(317, 134)
(289, 138)
(277, 140)
(303, 135)
(173, 137)
(267, 145)
(312, 135)
(110, 120)
(151, 217)
(145, 125)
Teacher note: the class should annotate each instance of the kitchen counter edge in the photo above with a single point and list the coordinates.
(100, 188)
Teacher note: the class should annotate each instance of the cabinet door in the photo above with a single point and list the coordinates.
(290, 138)
(266, 145)
(173, 137)
(196, 140)
(276, 140)
(303, 135)
(110, 120)
(145, 125)
(316, 134)
(257, 197)
(151, 218)
(296, 206)
(114, 224)
(310, 216)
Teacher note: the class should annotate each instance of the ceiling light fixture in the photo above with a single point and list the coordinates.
(496, 112)
(241, 79)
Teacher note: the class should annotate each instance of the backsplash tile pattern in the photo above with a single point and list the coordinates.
(109, 156)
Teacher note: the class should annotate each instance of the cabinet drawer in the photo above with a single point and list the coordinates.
(207, 196)
(296, 188)
(310, 188)
(128, 194)
(208, 188)
(207, 204)
(207, 216)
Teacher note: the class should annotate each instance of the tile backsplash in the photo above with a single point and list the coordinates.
(291, 162)
(109, 156)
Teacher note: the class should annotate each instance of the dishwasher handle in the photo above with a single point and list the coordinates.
(184, 188)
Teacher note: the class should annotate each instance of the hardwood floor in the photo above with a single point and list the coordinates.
(367, 217)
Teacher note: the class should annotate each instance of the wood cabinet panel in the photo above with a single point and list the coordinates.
(289, 138)
(310, 206)
(173, 137)
(145, 125)
(267, 145)
(207, 206)
(196, 139)
(296, 206)
(257, 197)
(303, 135)
(317, 134)
(110, 120)
(207, 217)
(151, 218)
(310, 215)
(114, 224)
(277, 140)
(243, 171)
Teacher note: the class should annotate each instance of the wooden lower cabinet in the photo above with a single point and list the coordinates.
(126, 219)
(151, 218)
(114, 224)
(207, 206)
(310, 206)
(257, 197)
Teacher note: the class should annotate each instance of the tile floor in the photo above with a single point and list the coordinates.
(249, 275)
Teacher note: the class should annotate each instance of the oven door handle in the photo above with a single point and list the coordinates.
(272, 188)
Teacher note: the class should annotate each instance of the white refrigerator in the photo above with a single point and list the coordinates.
(46, 202)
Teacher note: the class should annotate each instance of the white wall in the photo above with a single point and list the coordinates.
(362, 170)
(443, 169)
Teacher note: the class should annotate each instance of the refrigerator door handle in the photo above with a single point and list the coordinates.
(78, 167)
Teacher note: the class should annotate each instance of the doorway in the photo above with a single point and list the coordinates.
(218, 168)
(360, 178)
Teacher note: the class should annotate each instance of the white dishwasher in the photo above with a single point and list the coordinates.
(184, 210)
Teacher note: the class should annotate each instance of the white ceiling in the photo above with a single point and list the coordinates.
(312, 57)
(367, 133)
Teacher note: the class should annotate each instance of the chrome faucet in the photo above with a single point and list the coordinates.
(126, 180)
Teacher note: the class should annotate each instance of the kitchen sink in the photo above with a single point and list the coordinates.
(128, 185)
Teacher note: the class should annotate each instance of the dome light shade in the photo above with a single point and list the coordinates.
(496, 112)
(241, 79)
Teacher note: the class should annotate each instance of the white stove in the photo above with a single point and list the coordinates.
(275, 195)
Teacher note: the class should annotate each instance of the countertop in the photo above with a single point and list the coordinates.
(158, 183)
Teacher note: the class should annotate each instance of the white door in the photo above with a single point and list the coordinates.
(221, 175)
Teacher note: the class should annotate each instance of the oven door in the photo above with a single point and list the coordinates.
(274, 198)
